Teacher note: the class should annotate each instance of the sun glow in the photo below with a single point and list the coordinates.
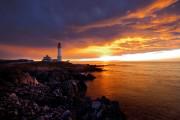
(149, 56)
(102, 50)
(113, 46)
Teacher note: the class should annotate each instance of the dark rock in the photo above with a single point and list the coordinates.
(47, 92)
(66, 115)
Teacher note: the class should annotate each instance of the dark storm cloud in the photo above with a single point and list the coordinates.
(42, 22)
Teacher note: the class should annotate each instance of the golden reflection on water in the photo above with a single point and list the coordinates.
(147, 91)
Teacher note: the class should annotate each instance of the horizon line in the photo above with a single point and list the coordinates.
(165, 55)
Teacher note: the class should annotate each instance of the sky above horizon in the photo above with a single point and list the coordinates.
(88, 28)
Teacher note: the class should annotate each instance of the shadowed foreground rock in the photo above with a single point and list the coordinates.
(41, 93)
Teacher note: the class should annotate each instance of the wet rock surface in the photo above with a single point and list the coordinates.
(51, 93)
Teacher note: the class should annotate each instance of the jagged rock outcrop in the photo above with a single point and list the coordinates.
(52, 94)
(25, 78)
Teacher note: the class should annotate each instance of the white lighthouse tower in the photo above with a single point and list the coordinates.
(59, 59)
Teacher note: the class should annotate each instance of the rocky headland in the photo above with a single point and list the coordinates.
(51, 91)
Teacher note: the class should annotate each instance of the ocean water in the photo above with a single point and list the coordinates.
(145, 90)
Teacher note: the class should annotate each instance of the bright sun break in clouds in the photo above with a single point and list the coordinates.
(114, 46)
(149, 56)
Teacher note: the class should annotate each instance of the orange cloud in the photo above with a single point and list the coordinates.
(164, 19)
(152, 8)
(27, 52)
(130, 45)
(147, 11)
(117, 46)
(157, 23)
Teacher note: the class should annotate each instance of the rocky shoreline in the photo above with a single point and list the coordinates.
(41, 91)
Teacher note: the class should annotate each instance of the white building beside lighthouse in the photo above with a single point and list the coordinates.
(59, 57)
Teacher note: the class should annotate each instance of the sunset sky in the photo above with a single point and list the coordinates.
(90, 29)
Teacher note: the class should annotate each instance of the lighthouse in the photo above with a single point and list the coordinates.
(59, 59)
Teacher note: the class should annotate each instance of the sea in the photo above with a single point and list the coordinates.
(145, 90)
